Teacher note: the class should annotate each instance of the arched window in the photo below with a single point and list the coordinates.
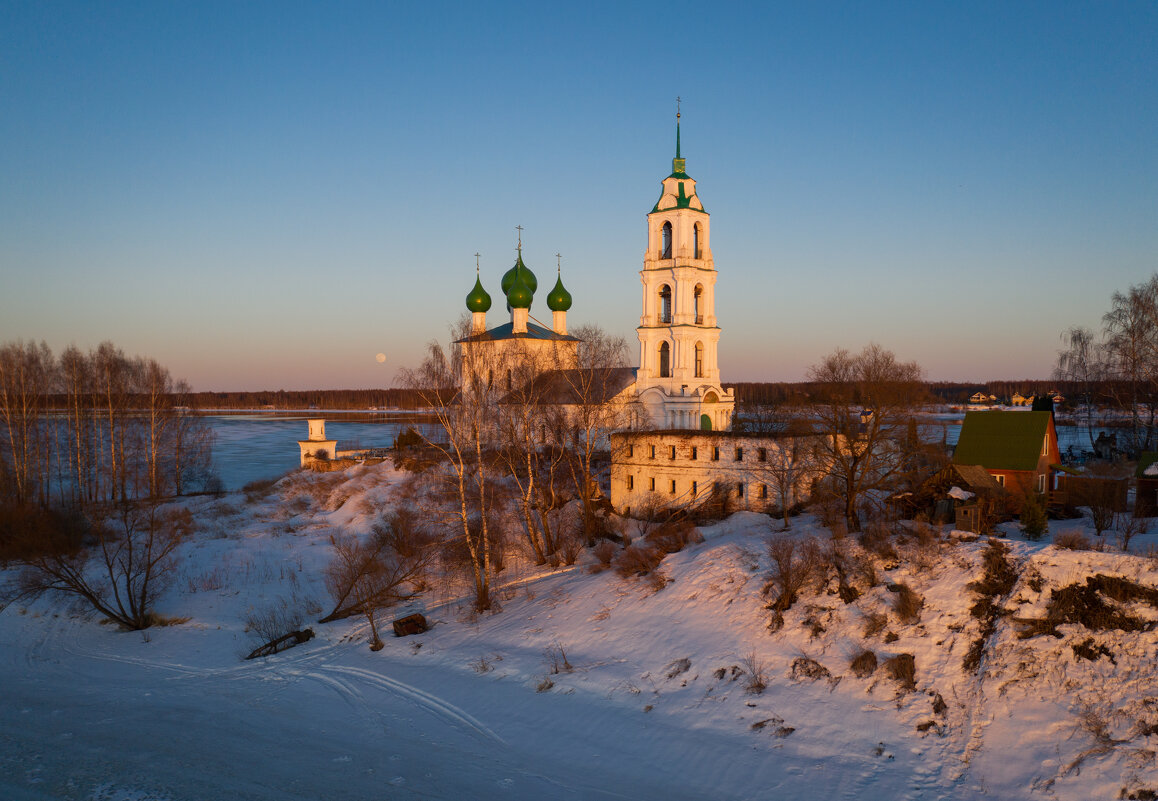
(664, 360)
(696, 241)
(699, 360)
(665, 251)
(665, 304)
(697, 297)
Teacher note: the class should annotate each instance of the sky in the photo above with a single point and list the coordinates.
(269, 195)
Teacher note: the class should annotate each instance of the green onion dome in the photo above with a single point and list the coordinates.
(519, 269)
(519, 296)
(559, 299)
(478, 300)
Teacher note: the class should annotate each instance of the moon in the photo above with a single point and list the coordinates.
(381, 357)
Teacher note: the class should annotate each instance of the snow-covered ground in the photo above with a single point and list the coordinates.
(657, 703)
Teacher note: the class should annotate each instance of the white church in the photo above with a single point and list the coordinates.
(680, 448)
(677, 383)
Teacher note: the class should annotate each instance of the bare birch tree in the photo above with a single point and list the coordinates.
(462, 397)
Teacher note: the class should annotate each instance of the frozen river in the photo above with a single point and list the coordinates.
(255, 446)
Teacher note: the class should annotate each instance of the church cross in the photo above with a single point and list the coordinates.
(476, 255)
(520, 236)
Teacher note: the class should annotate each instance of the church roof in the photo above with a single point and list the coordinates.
(577, 386)
(507, 331)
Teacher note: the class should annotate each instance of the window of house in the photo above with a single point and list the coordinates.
(739, 454)
(740, 490)
(761, 454)
(652, 487)
(1000, 480)
(631, 482)
(763, 490)
(694, 486)
(694, 452)
(716, 453)
(630, 451)
(651, 452)
(672, 490)
(1041, 483)
(699, 360)
(665, 304)
(673, 449)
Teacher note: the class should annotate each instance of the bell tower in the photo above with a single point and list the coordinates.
(679, 375)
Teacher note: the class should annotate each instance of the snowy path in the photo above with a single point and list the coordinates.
(88, 713)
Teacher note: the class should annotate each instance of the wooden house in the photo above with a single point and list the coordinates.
(1019, 449)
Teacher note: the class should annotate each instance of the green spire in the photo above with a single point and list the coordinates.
(679, 162)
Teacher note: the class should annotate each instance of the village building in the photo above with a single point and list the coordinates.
(686, 469)
(1019, 449)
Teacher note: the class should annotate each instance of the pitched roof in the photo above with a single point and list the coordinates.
(570, 386)
(1002, 440)
(1145, 462)
(507, 331)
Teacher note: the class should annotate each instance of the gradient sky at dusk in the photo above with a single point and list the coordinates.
(267, 195)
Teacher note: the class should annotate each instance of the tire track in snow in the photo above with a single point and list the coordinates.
(431, 703)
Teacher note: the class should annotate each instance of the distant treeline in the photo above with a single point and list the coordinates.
(951, 392)
(770, 392)
(357, 399)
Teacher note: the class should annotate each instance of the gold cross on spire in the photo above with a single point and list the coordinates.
(520, 236)
(476, 255)
(559, 262)
(677, 107)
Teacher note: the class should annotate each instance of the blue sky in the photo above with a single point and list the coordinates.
(267, 195)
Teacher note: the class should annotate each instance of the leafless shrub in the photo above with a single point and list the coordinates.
(804, 667)
(1131, 527)
(677, 668)
(544, 685)
(907, 604)
(875, 623)
(275, 621)
(1072, 541)
(637, 560)
(556, 658)
(756, 671)
(877, 538)
(604, 551)
(118, 563)
(366, 576)
(673, 536)
(259, 489)
(794, 563)
(902, 669)
(484, 664)
(570, 546)
(863, 664)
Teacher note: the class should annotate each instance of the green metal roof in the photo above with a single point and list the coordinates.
(1002, 440)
